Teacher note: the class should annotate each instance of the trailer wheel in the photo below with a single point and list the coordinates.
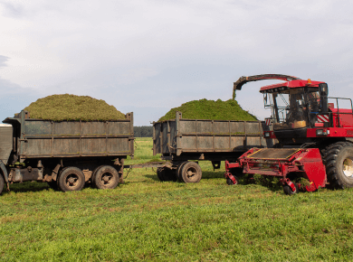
(94, 174)
(191, 173)
(180, 167)
(2, 183)
(160, 173)
(170, 175)
(106, 177)
(288, 191)
(166, 174)
(339, 164)
(71, 179)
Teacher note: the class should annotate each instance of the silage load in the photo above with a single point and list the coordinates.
(72, 107)
(210, 109)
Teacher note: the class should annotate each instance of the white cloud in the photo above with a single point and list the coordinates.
(151, 54)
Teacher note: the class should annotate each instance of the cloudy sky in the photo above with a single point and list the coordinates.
(149, 56)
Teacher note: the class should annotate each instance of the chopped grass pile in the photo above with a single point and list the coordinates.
(72, 107)
(210, 109)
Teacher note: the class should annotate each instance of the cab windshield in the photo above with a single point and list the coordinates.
(296, 108)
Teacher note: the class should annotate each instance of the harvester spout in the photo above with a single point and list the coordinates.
(244, 79)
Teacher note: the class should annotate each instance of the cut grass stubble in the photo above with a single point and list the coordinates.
(145, 219)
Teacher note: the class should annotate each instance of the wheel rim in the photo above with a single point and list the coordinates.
(107, 179)
(72, 181)
(348, 167)
(191, 174)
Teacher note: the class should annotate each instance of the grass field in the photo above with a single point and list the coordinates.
(145, 219)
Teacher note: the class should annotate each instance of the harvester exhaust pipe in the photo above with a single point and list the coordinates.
(323, 89)
(244, 79)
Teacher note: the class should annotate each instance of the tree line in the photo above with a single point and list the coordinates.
(143, 131)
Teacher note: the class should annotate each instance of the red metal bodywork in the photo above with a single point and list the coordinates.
(341, 125)
(308, 162)
(332, 123)
(291, 84)
(271, 134)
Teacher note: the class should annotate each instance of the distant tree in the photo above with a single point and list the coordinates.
(143, 131)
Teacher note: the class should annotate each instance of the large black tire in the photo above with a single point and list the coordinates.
(160, 173)
(166, 174)
(171, 174)
(191, 173)
(71, 179)
(2, 183)
(180, 167)
(338, 159)
(106, 177)
(94, 173)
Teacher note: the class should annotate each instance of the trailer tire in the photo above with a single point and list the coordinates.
(160, 173)
(191, 173)
(338, 160)
(94, 175)
(171, 175)
(106, 177)
(2, 183)
(71, 179)
(180, 167)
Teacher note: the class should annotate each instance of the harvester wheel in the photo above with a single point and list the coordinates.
(106, 177)
(71, 179)
(230, 182)
(339, 164)
(288, 190)
(191, 173)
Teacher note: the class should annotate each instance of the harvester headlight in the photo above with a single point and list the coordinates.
(322, 132)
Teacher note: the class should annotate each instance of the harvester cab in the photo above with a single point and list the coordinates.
(297, 105)
(315, 137)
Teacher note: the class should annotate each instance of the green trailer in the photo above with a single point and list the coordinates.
(66, 154)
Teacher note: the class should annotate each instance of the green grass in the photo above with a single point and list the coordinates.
(72, 107)
(143, 152)
(145, 219)
(209, 109)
